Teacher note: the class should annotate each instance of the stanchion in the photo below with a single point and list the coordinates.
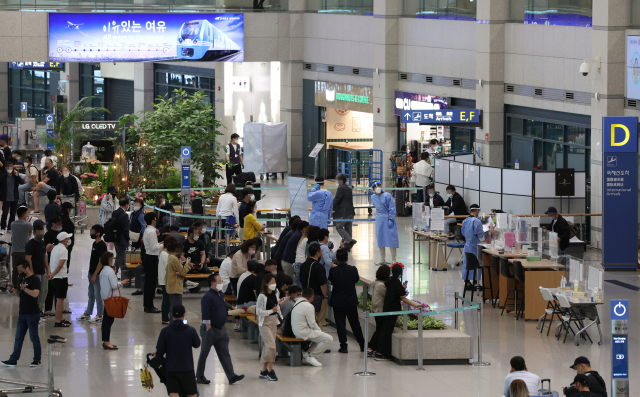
(420, 345)
(366, 346)
(480, 363)
(405, 318)
(456, 314)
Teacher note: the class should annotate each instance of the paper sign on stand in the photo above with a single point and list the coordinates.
(417, 216)
(437, 219)
(509, 239)
(426, 214)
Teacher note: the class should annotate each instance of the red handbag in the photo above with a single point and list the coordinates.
(116, 306)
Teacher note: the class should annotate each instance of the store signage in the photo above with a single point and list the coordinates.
(127, 37)
(36, 65)
(344, 96)
(442, 117)
(620, 347)
(411, 101)
(620, 191)
(96, 125)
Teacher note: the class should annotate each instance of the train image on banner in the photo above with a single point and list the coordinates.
(199, 39)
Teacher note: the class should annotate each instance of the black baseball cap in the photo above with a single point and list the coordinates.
(178, 311)
(580, 360)
(552, 209)
(581, 379)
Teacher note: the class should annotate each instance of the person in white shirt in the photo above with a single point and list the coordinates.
(47, 155)
(109, 286)
(304, 326)
(58, 277)
(433, 148)
(228, 206)
(424, 173)
(225, 271)
(150, 261)
(519, 371)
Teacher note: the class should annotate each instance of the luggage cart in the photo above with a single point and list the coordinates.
(362, 168)
(38, 387)
(77, 219)
(5, 265)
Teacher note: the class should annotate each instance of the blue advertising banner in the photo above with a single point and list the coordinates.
(36, 65)
(185, 153)
(553, 17)
(448, 116)
(411, 101)
(620, 192)
(133, 37)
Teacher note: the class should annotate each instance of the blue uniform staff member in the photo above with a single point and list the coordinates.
(473, 233)
(234, 158)
(321, 204)
(560, 226)
(386, 229)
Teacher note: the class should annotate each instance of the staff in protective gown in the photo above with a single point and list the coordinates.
(473, 233)
(321, 204)
(386, 229)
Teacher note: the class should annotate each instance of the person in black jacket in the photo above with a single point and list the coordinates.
(67, 185)
(176, 341)
(560, 226)
(597, 385)
(344, 299)
(122, 232)
(343, 209)
(396, 290)
(456, 205)
(9, 196)
(286, 230)
(434, 200)
(69, 227)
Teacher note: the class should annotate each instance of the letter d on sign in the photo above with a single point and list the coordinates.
(613, 135)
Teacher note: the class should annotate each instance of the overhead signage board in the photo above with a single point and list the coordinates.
(96, 125)
(344, 96)
(470, 117)
(633, 67)
(411, 101)
(36, 65)
(620, 190)
(133, 37)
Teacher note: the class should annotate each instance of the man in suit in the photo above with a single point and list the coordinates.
(9, 182)
(122, 232)
(343, 207)
(344, 300)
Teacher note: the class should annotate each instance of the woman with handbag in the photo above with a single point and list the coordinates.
(269, 315)
(176, 270)
(109, 287)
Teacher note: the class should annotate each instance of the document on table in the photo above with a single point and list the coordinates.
(437, 219)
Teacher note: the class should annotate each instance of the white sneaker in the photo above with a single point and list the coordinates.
(382, 262)
(84, 317)
(313, 361)
(305, 355)
(96, 320)
(34, 212)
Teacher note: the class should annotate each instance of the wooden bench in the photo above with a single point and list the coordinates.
(284, 344)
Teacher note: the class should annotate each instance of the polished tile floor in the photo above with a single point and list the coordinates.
(84, 369)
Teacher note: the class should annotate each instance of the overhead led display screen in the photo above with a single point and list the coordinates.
(132, 37)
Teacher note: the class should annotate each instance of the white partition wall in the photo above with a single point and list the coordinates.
(472, 176)
(489, 201)
(491, 179)
(520, 205)
(518, 182)
(442, 171)
(456, 174)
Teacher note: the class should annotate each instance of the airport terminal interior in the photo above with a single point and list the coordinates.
(476, 158)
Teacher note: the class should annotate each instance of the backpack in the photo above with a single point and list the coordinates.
(111, 230)
(287, 329)
(573, 230)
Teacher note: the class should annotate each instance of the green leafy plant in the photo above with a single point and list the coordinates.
(428, 322)
(109, 179)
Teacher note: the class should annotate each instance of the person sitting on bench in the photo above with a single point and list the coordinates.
(304, 326)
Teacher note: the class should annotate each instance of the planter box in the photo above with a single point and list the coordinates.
(92, 216)
(439, 347)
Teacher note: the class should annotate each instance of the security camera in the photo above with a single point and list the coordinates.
(585, 68)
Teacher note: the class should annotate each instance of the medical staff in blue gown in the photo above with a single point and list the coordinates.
(473, 234)
(386, 229)
(321, 204)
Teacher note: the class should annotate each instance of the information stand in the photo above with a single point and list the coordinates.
(620, 348)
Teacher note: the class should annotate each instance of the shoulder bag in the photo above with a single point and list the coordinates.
(317, 299)
(116, 306)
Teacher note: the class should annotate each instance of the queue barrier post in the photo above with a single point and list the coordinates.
(405, 318)
(366, 345)
(478, 306)
(420, 345)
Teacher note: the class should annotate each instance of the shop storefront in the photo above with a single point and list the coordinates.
(346, 117)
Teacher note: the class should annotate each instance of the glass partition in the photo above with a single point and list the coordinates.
(143, 6)
(441, 9)
(363, 7)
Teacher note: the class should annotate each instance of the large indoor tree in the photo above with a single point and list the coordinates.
(183, 120)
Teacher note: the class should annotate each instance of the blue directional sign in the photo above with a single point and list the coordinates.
(49, 118)
(620, 362)
(619, 309)
(442, 116)
(185, 154)
(23, 106)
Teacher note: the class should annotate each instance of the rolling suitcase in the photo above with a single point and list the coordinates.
(546, 392)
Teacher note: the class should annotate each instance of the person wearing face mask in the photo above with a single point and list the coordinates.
(29, 315)
(138, 225)
(321, 204)
(294, 293)
(424, 174)
(386, 229)
(228, 207)
(58, 278)
(343, 209)
(251, 224)
(36, 254)
(473, 233)
(209, 248)
(395, 290)
(109, 286)
(67, 185)
(9, 182)
(456, 205)
(53, 208)
(270, 267)
(194, 249)
(239, 263)
(560, 226)
(108, 205)
(247, 196)
(434, 200)
(17, 158)
(177, 268)
(98, 248)
(162, 203)
(50, 241)
(69, 227)
(313, 275)
(268, 315)
(150, 261)
(20, 231)
(30, 179)
(48, 180)
(433, 147)
(234, 158)
(247, 292)
(121, 232)
(214, 332)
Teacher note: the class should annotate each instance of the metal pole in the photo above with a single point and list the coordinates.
(456, 314)
(480, 363)
(366, 346)
(218, 236)
(405, 318)
(365, 296)
(420, 345)
(50, 367)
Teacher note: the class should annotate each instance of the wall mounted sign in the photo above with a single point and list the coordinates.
(565, 182)
(411, 101)
(344, 96)
(633, 67)
(96, 125)
(36, 65)
(133, 37)
(470, 117)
